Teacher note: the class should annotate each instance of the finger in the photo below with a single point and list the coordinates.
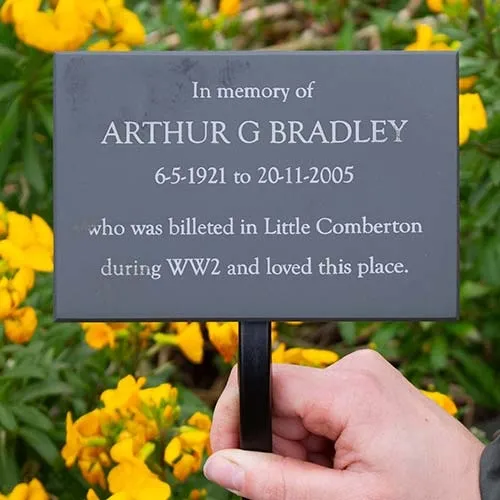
(290, 428)
(287, 448)
(225, 423)
(298, 392)
(263, 476)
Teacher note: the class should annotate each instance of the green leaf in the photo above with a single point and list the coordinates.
(348, 332)
(6, 152)
(345, 39)
(384, 335)
(32, 165)
(10, 122)
(480, 378)
(471, 66)
(45, 116)
(6, 53)
(9, 90)
(33, 417)
(41, 390)
(495, 172)
(7, 419)
(9, 471)
(41, 443)
(472, 290)
(439, 353)
(24, 371)
(454, 33)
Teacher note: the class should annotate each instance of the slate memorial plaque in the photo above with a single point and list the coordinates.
(256, 186)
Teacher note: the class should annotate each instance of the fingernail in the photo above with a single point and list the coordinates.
(220, 469)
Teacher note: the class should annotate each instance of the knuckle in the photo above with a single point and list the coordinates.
(367, 358)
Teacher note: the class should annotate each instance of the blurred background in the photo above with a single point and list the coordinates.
(92, 410)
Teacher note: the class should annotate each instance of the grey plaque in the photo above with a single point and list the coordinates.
(257, 186)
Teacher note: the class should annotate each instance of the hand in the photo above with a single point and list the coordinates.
(355, 431)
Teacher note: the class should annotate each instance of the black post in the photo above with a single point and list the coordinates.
(254, 372)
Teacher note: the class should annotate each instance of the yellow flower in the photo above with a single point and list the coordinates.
(73, 444)
(472, 115)
(467, 82)
(440, 5)
(115, 4)
(126, 394)
(198, 494)
(159, 396)
(427, 40)
(91, 495)
(13, 11)
(442, 400)
(97, 12)
(132, 476)
(3, 218)
(306, 357)
(151, 326)
(29, 243)
(278, 355)
(105, 46)
(22, 282)
(229, 7)
(185, 451)
(318, 357)
(100, 335)
(7, 304)
(58, 30)
(100, 46)
(189, 339)
(178, 326)
(186, 466)
(92, 472)
(34, 490)
(201, 421)
(13, 292)
(224, 336)
(78, 434)
(21, 325)
(37, 491)
(128, 27)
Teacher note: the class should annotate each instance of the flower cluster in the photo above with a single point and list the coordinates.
(188, 337)
(472, 114)
(101, 335)
(224, 337)
(130, 445)
(33, 490)
(70, 24)
(27, 246)
(139, 336)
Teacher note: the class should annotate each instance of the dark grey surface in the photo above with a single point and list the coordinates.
(414, 180)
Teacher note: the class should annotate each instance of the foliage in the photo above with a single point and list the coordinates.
(80, 389)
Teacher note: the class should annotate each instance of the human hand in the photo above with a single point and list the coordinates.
(357, 430)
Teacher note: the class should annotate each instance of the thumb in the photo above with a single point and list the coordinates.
(264, 476)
